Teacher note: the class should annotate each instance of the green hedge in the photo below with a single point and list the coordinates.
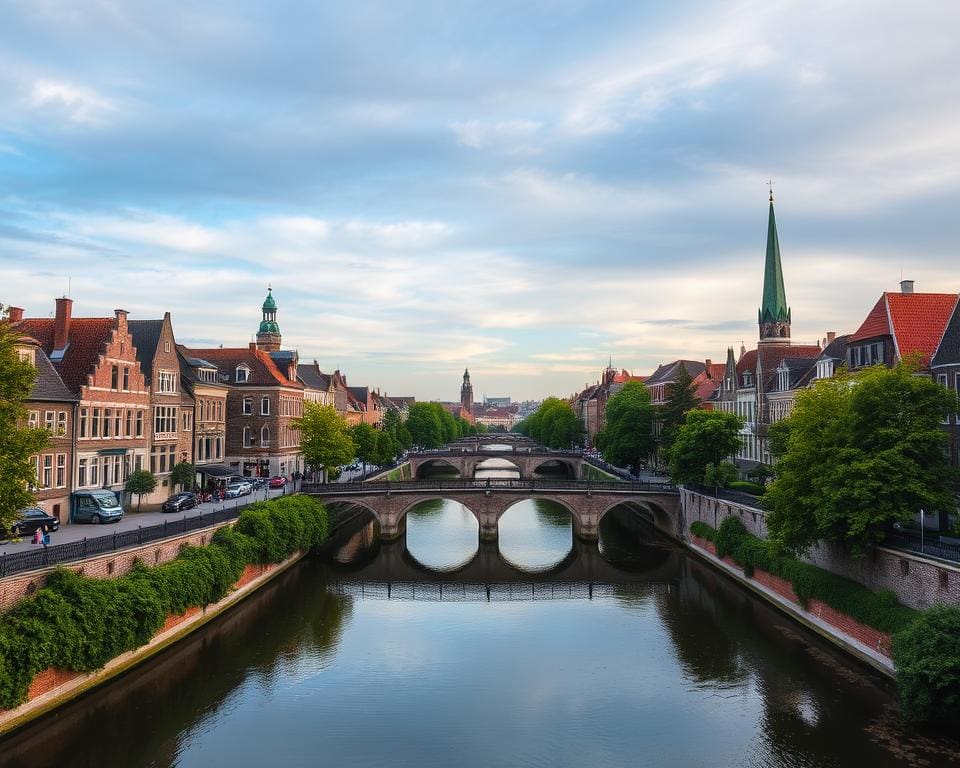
(746, 486)
(78, 623)
(880, 610)
(928, 666)
(702, 530)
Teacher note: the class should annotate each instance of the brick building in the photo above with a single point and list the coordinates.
(170, 427)
(201, 379)
(97, 361)
(52, 407)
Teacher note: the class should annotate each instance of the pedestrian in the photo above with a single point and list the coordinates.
(46, 537)
(38, 536)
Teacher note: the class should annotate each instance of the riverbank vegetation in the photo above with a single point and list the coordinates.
(627, 439)
(79, 623)
(705, 439)
(554, 424)
(925, 644)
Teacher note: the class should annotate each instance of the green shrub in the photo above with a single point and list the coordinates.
(78, 623)
(728, 536)
(927, 653)
(702, 530)
(755, 489)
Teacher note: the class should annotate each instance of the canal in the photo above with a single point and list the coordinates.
(655, 660)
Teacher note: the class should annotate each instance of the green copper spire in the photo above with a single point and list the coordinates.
(269, 302)
(774, 315)
(269, 323)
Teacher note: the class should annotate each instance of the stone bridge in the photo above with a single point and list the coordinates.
(489, 500)
(527, 459)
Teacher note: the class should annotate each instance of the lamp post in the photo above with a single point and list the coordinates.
(922, 513)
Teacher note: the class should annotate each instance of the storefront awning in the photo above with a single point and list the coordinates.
(216, 470)
(112, 452)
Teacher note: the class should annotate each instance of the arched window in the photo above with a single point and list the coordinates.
(265, 436)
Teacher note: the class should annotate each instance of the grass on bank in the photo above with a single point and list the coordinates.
(925, 644)
(79, 623)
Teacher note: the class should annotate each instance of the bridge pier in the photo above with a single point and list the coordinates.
(392, 528)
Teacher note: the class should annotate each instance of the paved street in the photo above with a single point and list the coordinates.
(131, 520)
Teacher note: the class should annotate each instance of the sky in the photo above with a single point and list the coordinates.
(527, 189)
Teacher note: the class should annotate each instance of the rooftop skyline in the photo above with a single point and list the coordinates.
(524, 191)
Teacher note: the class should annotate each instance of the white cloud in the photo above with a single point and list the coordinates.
(76, 103)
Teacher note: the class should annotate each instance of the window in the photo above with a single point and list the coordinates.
(166, 346)
(218, 446)
(33, 419)
(128, 427)
(242, 373)
(61, 470)
(95, 423)
(49, 420)
(126, 378)
(164, 420)
(117, 419)
(82, 472)
(264, 406)
(47, 471)
(106, 422)
(247, 406)
(166, 382)
(84, 422)
(94, 468)
(139, 424)
(187, 420)
(783, 380)
(61, 422)
(114, 377)
(247, 437)
(265, 436)
(207, 374)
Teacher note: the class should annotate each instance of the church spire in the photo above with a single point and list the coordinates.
(268, 336)
(774, 315)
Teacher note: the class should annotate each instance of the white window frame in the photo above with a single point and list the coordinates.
(166, 382)
(264, 436)
(242, 374)
(247, 406)
(264, 406)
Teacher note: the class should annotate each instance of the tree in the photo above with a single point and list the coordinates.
(554, 424)
(927, 654)
(364, 438)
(324, 437)
(451, 431)
(720, 475)
(425, 425)
(141, 482)
(17, 443)
(681, 399)
(706, 437)
(858, 453)
(184, 475)
(627, 439)
(387, 448)
(393, 424)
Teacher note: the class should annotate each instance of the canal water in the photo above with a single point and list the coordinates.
(552, 653)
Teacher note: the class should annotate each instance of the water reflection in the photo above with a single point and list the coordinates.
(536, 534)
(442, 534)
(496, 447)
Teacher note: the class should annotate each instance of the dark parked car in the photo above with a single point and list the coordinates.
(30, 520)
(278, 481)
(179, 502)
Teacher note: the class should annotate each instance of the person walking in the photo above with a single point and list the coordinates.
(45, 539)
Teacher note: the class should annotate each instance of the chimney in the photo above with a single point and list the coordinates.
(906, 286)
(121, 317)
(831, 335)
(14, 314)
(253, 346)
(61, 324)
(709, 363)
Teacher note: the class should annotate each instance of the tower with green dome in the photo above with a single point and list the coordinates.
(268, 337)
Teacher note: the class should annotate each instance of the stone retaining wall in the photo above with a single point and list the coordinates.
(107, 566)
(918, 582)
(54, 687)
(864, 641)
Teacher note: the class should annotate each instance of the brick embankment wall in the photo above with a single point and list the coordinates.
(14, 588)
(53, 687)
(864, 641)
(918, 582)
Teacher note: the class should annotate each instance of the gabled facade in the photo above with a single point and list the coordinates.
(52, 407)
(201, 379)
(945, 369)
(97, 361)
(317, 385)
(170, 427)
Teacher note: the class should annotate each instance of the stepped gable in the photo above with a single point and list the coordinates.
(88, 337)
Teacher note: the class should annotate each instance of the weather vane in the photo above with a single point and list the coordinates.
(770, 184)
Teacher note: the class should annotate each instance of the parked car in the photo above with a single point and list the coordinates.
(238, 488)
(29, 521)
(96, 507)
(257, 482)
(179, 502)
(278, 481)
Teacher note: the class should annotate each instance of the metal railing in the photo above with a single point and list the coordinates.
(931, 545)
(738, 497)
(504, 484)
(72, 551)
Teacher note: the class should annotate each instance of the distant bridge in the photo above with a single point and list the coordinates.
(488, 500)
(528, 459)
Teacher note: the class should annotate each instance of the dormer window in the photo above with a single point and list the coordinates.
(242, 374)
(783, 379)
(824, 369)
(748, 379)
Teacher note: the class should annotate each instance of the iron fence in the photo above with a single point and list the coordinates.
(932, 545)
(739, 497)
(71, 551)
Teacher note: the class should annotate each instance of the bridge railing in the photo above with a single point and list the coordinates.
(466, 484)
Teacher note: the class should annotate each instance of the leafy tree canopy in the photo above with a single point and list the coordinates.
(554, 424)
(627, 438)
(17, 442)
(707, 437)
(140, 483)
(681, 399)
(364, 438)
(426, 425)
(184, 475)
(324, 437)
(857, 453)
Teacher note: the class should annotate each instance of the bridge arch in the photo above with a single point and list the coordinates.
(438, 496)
(436, 463)
(495, 462)
(656, 514)
(569, 468)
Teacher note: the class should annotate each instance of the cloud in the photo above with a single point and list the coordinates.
(76, 103)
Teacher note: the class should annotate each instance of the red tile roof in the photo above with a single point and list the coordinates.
(263, 371)
(88, 336)
(770, 357)
(916, 321)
